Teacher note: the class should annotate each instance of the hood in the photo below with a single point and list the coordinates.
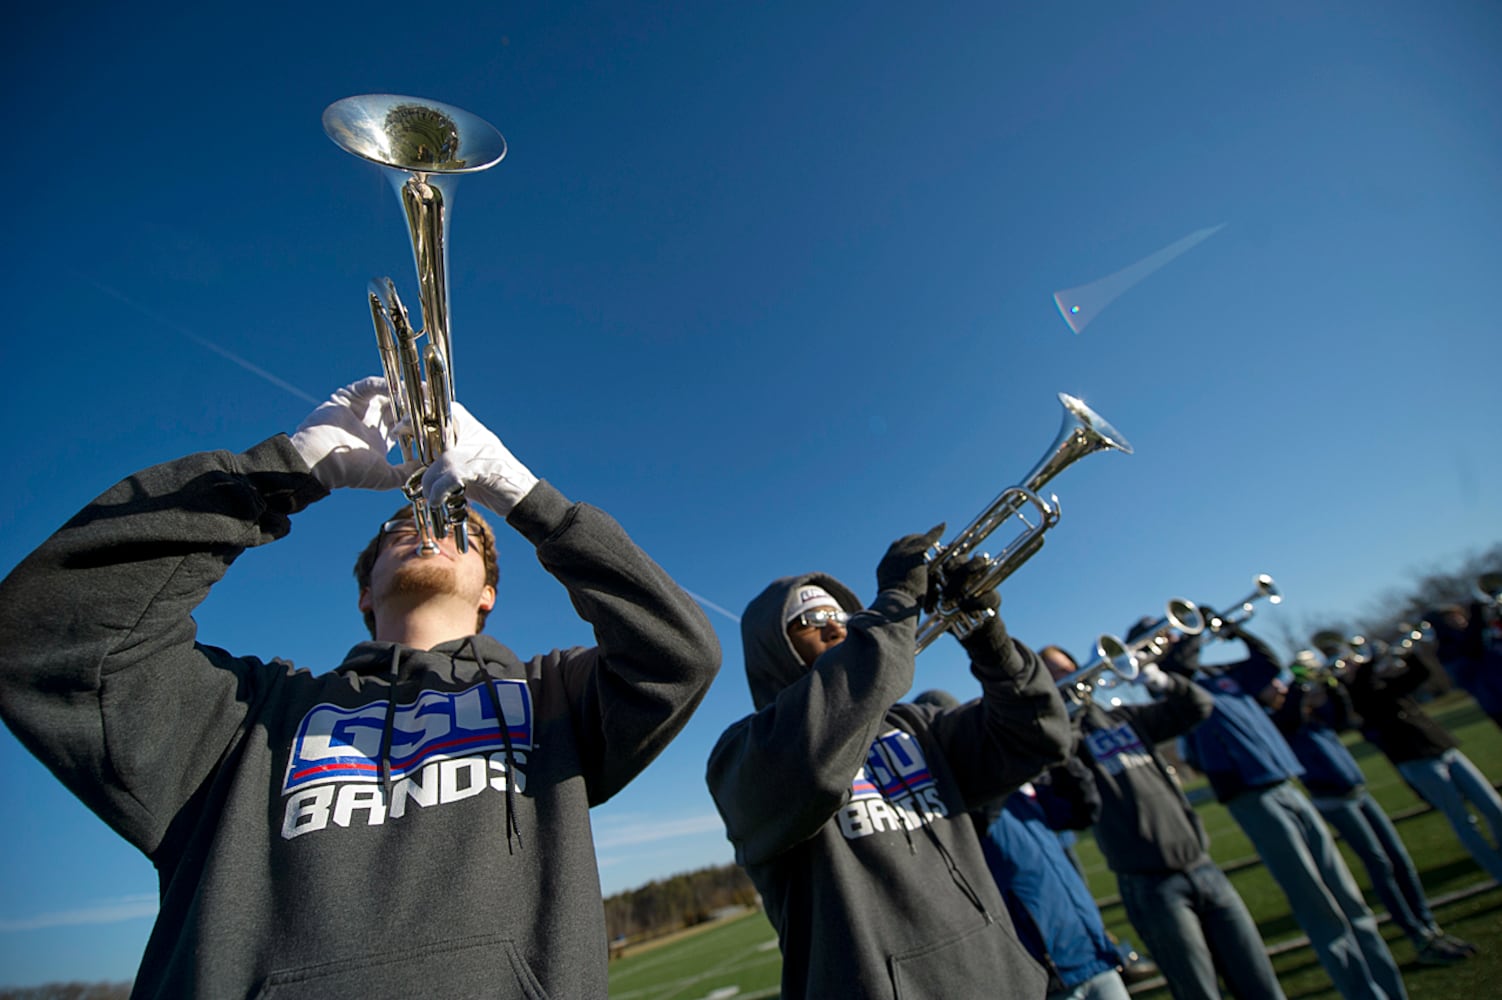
(771, 662)
(373, 657)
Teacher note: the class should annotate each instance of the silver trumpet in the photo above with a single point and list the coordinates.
(422, 145)
(1181, 616)
(1078, 686)
(1084, 432)
(1246, 607)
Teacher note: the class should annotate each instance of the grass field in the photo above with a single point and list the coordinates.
(738, 958)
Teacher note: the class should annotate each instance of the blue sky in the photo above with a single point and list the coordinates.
(773, 285)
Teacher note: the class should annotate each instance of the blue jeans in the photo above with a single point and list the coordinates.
(1447, 783)
(1101, 986)
(1193, 923)
(1363, 824)
(1297, 848)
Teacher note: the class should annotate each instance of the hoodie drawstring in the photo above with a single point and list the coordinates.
(386, 730)
(512, 826)
(955, 875)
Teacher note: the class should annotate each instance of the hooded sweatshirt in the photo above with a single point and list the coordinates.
(411, 823)
(850, 812)
(1146, 825)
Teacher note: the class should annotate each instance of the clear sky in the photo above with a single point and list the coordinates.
(773, 284)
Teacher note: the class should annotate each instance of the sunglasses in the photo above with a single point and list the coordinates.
(822, 617)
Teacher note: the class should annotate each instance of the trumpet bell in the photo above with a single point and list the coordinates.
(1119, 657)
(1185, 616)
(413, 134)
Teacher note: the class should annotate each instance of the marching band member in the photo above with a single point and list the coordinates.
(1189, 915)
(1314, 711)
(1426, 755)
(849, 811)
(1251, 768)
(413, 822)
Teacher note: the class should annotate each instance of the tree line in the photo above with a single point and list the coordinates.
(671, 904)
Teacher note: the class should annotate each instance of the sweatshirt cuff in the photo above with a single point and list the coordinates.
(542, 513)
(277, 471)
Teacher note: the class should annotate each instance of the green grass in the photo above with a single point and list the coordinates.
(741, 954)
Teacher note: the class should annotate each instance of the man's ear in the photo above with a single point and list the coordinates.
(487, 598)
(365, 604)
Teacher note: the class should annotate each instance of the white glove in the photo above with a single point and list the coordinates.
(345, 441)
(1154, 678)
(480, 465)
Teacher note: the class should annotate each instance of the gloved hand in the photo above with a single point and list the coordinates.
(904, 567)
(1152, 677)
(345, 440)
(479, 464)
(988, 645)
(963, 579)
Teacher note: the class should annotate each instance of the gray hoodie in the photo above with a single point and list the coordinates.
(413, 823)
(850, 811)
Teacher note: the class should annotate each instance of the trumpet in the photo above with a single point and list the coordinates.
(422, 145)
(1342, 653)
(1082, 433)
(1181, 616)
(1246, 607)
(1110, 656)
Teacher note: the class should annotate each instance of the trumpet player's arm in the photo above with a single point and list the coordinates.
(1181, 705)
(1297, 707)
(778, 775)
(656, 652)
(1068, 796)
(102, 677)
(1413, 675)
(1016, 730)
(1258, 652)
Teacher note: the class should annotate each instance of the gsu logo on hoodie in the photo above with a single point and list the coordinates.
(891, 790)
(445, 746)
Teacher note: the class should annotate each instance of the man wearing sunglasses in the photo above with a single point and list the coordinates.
(850, 811)
(413, 822)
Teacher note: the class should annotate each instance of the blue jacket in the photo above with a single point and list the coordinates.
(1056, 917)
(1313, 731)
(1238, 748)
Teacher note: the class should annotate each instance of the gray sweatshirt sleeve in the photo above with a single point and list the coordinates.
(780, 774)
(100, 675)
(1175, 712)
(656, 652)
(1018, 729)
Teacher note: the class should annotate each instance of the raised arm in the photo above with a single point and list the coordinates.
(778, 775)
(101, 676)
(656, 652)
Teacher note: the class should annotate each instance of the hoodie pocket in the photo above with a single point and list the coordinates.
(483, 968)
(988, 955)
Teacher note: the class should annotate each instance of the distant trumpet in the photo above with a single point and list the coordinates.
(1246, 607)
(1126, 660)
(1084, 432)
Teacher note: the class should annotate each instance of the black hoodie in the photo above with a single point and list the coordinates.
(412, 823)
(850, 812)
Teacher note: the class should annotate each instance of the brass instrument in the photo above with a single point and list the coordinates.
(1246, 607)
(1342, 653)
(1181, 616)
(1110, 656)
(422, 145)
(1083, 432)
(1126, 659)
